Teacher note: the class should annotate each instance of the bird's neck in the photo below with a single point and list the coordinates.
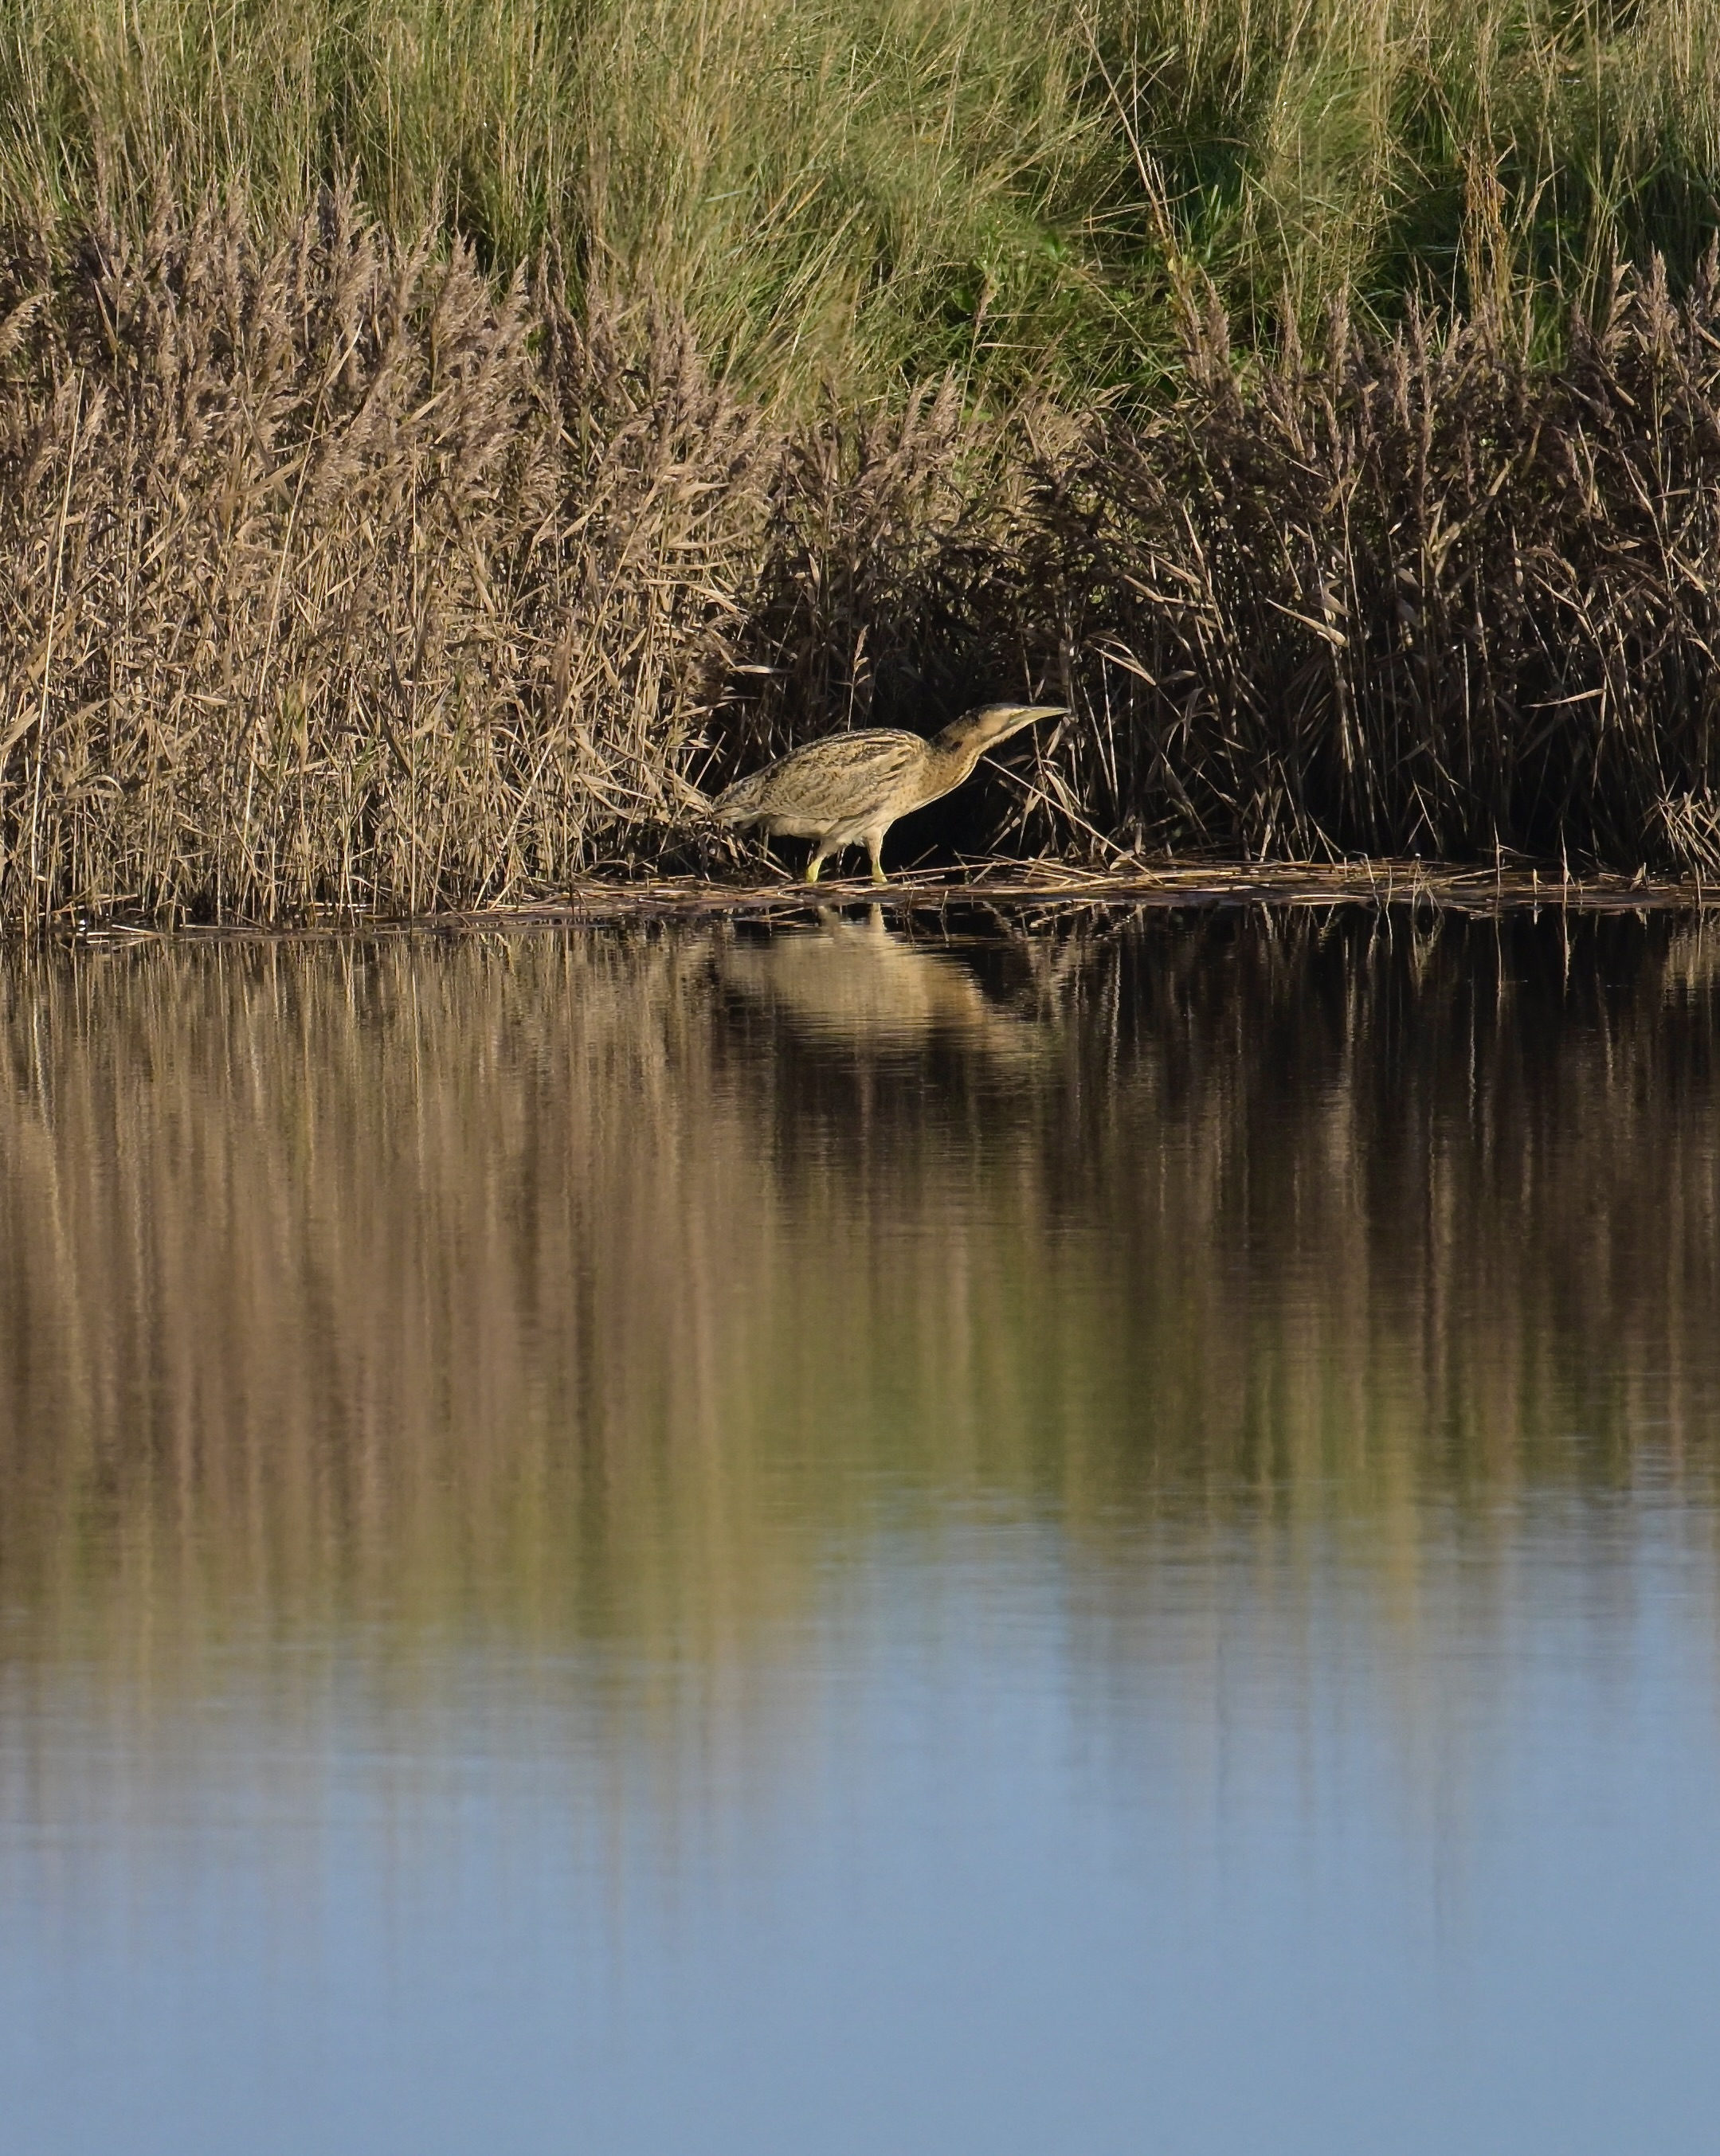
(957, 750)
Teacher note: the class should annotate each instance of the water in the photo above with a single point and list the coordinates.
(1084, 1542)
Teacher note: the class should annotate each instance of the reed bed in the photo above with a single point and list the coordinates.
(339, 577)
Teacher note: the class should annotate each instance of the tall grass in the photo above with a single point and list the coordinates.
(848, 193)
(436, 441)
(335, 578)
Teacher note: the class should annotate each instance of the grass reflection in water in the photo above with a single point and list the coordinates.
(605, 1298)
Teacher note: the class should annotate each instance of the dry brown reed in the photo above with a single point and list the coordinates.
(337, 579)
(1419, 597)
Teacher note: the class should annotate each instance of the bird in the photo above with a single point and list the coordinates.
(848, 790)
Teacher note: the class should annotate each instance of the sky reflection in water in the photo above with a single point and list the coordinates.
(703, 1542)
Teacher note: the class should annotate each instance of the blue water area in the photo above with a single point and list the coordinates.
(910, 1539)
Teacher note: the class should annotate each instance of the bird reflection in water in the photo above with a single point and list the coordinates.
(859, 983)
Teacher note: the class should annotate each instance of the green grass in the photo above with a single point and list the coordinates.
(843, 196)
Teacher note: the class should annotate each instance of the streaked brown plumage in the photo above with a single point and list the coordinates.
(848, 790)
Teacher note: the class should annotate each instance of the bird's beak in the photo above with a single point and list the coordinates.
(1027, 714)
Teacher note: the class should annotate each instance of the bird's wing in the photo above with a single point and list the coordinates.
(842, 775)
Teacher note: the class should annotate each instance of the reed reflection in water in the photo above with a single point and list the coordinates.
(840, 1539)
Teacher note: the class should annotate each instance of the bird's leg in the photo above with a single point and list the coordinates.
(875, 847)
(813, 867)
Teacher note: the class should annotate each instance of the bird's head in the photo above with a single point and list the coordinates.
(987, 724)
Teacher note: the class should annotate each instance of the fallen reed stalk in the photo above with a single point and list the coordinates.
(335, 577)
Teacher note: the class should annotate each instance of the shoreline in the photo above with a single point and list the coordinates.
(1012, 887)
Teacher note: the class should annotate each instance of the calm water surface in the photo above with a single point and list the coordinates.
(1094, 1540)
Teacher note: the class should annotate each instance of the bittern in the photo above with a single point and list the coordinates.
(848, 790)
